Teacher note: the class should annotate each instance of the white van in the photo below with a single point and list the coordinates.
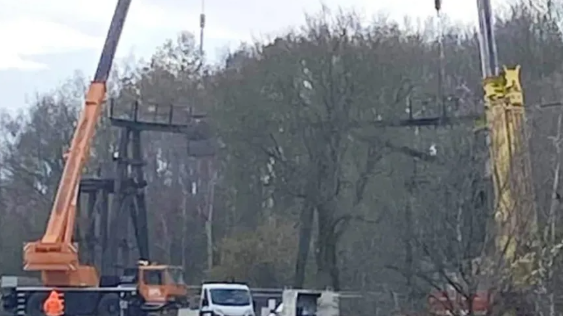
(226, 299)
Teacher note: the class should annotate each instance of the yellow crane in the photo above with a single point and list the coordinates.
(509, 169)
(510, 165)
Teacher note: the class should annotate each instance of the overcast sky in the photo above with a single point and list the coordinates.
(44, 41)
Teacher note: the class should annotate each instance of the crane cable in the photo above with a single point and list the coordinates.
(441, 57)
(201, 27)
(201, 37)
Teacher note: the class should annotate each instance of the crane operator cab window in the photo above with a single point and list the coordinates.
(169, 275)
(176, 275)
(153, 277)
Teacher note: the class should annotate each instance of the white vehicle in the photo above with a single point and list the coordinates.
(307, 303)
(300, 311)
(277, 311)
(226, 299)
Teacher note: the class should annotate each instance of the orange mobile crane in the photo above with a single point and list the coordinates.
(145, 289)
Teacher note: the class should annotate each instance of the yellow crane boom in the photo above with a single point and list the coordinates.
(510, 166)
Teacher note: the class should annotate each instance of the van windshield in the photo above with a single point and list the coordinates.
(230, 297)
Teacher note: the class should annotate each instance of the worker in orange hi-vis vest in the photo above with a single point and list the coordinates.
(53, 305)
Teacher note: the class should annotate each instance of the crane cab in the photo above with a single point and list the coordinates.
(158, 284)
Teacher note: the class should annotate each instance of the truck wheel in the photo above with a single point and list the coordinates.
(109, 305)
(34, 304)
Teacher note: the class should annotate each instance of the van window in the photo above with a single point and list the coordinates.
(230, 297)
(205, 299)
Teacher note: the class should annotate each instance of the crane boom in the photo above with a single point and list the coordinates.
(55, 255)
(514, 206)
(487, 42)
